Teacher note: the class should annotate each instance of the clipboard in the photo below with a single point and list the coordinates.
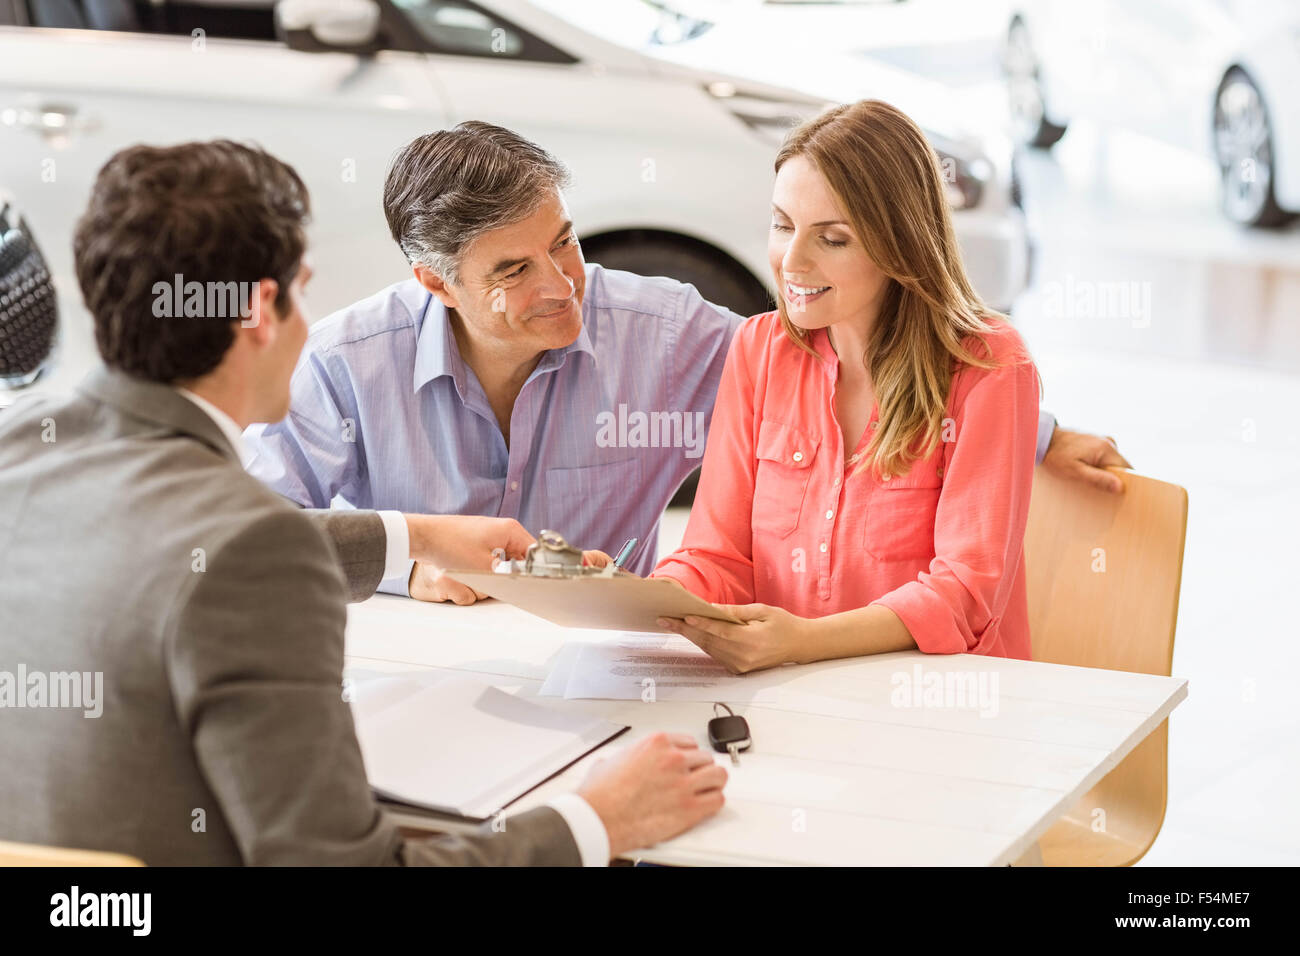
(553, 583)
(617, 602)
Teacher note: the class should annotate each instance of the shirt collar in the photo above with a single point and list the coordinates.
(820, 341)
(436, 352)
(227, 424)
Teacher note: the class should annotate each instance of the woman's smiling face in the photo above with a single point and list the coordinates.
(818, 263)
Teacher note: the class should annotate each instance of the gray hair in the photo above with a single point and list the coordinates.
(448, 188)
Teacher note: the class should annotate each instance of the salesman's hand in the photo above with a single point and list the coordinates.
(768, 637)
(1083, 457)
(462, 542)
(658, 788)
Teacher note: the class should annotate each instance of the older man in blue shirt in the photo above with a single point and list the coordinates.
(508, 377)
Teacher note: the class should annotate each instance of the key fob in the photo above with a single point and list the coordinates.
(724, 731)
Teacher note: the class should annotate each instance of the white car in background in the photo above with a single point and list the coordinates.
(845, 26)
(672, 163)
(807, 47)
(1216, 76)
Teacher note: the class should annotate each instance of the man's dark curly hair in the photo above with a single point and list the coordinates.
(217, 212)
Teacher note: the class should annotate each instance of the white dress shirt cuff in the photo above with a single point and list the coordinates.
(586, 826)
(397, 553)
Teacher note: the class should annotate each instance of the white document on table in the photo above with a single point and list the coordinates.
(639, 666)
(458, 745)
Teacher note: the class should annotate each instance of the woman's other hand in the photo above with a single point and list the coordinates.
(768, 637)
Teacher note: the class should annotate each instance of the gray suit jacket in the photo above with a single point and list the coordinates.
(133, 544)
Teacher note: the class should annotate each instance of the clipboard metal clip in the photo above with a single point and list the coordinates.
(553, 557)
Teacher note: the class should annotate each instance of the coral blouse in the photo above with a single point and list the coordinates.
(780, 518)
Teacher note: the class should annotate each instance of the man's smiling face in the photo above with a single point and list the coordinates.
(522, 285)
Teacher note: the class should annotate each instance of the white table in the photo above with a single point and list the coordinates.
(838, 774)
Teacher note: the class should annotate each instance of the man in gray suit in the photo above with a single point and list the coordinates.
(171, 631)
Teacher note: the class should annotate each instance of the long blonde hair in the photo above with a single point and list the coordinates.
(887, 178)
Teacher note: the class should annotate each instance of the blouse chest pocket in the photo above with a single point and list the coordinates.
(784, 456)
(899, 524)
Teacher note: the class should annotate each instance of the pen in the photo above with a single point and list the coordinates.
(625, 552)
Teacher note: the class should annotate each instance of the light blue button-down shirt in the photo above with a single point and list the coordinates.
(385, 414)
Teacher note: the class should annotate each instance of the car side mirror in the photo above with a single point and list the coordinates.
(316, 26)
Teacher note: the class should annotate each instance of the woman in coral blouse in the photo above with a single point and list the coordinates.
(867, 475)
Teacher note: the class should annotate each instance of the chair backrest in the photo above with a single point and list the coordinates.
(1103, 572)
(30, 854)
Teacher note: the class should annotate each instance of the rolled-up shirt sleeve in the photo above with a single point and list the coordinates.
(1046, 427)
(955, 606)
(715, 561)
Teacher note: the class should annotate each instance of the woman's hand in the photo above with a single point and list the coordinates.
(768, 637)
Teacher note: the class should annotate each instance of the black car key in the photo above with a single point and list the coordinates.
(729, 734)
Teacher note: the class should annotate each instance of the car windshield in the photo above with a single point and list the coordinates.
(460, 28)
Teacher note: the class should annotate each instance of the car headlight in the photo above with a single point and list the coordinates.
(677, 27)
(773, 117)
(964, 175)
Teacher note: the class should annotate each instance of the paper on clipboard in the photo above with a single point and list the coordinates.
(623, 602)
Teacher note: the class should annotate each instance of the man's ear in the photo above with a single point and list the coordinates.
(261, 316)
(434, 284)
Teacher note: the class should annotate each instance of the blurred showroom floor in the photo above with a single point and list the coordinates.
(1198, 383)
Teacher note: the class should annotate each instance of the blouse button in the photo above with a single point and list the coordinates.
(884, 478)
(823, 547)
(798, 456)
(830, 513)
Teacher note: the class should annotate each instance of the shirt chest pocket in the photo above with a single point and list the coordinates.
(900, 516)
(784, 456)
(594, 505)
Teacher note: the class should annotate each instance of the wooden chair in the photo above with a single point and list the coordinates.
(29, 854)
(1120, 618)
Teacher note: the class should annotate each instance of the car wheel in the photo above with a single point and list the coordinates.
(1243, 146)
(720, 280)
(1029, 123)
